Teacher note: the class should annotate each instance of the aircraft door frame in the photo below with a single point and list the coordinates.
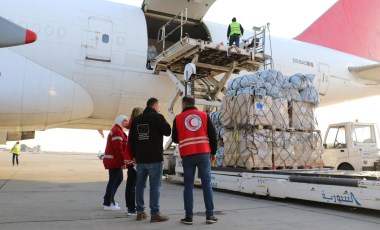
(322, 79)
(99, 39)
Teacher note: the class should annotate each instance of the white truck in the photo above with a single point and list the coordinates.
(352, 146)
(348, 146)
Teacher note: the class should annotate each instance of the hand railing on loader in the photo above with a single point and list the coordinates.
(163, 34)
(256, 43)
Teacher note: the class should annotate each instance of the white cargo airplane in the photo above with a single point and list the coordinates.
(89, 62)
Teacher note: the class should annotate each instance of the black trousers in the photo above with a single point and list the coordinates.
(130, 190)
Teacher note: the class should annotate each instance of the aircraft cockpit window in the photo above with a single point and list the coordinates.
(105, 38)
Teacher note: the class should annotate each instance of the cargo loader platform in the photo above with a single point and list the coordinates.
(202, 68)
(210, 58)
(347, 188)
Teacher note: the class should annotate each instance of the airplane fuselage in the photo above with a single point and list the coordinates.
(89, 65)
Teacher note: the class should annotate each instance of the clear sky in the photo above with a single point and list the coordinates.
(287, 19)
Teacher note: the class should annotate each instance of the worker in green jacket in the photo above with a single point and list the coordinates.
(235, 30)
(15, 152)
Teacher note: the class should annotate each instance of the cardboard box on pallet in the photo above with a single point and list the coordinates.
(280, 113)
(247, 148)
(307, 148)
(283, 153)
(245, 109)
(262, 110)
(284, 157)
(301, 115)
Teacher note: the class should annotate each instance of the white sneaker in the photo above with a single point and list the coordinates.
(131, 213)
(116, 205)
(111, 208)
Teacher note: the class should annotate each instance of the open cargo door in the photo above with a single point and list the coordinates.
(159, 12)
(196, 9)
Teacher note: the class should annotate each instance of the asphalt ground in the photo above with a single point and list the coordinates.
(64, 191)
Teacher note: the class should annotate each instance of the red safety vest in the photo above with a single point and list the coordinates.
(192, 132)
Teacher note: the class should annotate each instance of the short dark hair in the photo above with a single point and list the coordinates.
(188, 100)
(151, 102)
(234, 19)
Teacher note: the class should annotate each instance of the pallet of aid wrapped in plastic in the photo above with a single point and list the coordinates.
(269, 122)
(247, 148)
(304, 100)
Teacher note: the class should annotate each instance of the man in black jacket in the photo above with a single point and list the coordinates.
(146, 141)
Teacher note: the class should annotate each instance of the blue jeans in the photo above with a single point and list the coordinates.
(15, 157)
(114, 181)
(154, 171)
(234, 38)
(189, 164)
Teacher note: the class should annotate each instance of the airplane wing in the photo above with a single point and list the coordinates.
(368, 72)
(196, 9)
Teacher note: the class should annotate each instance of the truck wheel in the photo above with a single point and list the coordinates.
(345, 166)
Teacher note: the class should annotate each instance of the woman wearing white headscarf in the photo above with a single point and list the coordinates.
(114, 161)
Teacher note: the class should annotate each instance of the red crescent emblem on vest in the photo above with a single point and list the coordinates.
(193, 122)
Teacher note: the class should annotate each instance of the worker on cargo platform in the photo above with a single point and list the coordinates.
(235, 30)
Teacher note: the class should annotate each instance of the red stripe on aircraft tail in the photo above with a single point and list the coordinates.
(350, 26)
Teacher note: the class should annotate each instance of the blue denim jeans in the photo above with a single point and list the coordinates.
(189, 164)
(154, 171)
(15, 157)
(234, 38)
(114, 181)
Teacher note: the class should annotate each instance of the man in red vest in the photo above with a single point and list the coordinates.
(195, 135)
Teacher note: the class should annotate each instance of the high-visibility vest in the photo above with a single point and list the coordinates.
(192, 132)
(16, 149)
(235, 28)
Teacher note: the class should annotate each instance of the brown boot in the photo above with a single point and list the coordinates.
(141, 216)
(158, 218)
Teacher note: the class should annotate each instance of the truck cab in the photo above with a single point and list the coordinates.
(352, 146)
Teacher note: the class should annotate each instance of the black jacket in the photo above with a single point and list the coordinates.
(146, 136)
(211, 132)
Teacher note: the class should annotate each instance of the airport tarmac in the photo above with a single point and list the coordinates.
(64, 191)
